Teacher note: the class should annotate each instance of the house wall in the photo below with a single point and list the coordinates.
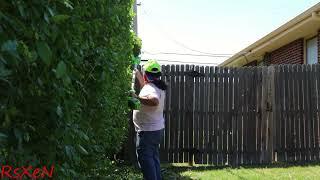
(291, 53)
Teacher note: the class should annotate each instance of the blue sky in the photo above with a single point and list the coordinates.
(206, 27)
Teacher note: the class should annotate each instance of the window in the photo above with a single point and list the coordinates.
(312, 51)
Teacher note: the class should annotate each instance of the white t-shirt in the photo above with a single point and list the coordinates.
(150, 118)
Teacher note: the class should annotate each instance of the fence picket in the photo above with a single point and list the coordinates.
(317, 109)
(313, 115)
(235, 119)
(282, 113)
(175, 113)
(252, 119)
(259, 115)
(211, 116)
(171, 114)
(294, 113)
(202, 112)
(196, 106)
(181, 111)
(219, 120)
(167, 120)
(230, 115)
(215, 118)
(207, 96)
(286, 110)
(188, 141)
(301, 113)
(241, 116)
(317, 75)
(224, 115)
(297, 114)
(307, 114)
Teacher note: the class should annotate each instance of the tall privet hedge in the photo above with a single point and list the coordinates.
(64, 74)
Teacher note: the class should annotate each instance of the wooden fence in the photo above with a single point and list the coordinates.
(236, 116)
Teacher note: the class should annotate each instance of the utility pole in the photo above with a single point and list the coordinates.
(130, 152)
(135, 20)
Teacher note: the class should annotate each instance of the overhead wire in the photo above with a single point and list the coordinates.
(175, 41)
(184, 62)
(186, 54)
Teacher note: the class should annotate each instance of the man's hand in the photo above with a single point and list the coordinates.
(146, 100)
(133, 94)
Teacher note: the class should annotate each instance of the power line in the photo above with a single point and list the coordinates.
(186, 47)
(183, 62)
(173, 40)
(187, 54)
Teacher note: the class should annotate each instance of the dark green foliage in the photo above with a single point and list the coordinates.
(137, 46)
(64, 74)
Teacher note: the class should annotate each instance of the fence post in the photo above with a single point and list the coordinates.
(267, 114)
(271, 110)
(264, 114)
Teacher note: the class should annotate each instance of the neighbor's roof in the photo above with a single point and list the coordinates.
(304, 25)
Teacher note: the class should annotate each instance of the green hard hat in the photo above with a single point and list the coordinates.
(152, 66)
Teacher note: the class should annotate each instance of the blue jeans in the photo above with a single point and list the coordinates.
(147, 147)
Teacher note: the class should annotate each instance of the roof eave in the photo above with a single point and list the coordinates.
(295, 21)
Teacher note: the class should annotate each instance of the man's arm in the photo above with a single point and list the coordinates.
(139, 77)
(148, 100)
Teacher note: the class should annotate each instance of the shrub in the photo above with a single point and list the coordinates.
(64, 72)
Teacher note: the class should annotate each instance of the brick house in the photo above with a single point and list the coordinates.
(296, 42)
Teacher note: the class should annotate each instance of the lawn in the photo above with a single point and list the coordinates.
(283, 171)
(311, 171)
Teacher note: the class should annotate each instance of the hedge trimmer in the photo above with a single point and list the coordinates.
(133, 102)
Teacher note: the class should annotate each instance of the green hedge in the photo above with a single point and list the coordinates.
(64, 74)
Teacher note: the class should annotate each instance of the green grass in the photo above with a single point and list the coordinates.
(278, 171)
(311, 171)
